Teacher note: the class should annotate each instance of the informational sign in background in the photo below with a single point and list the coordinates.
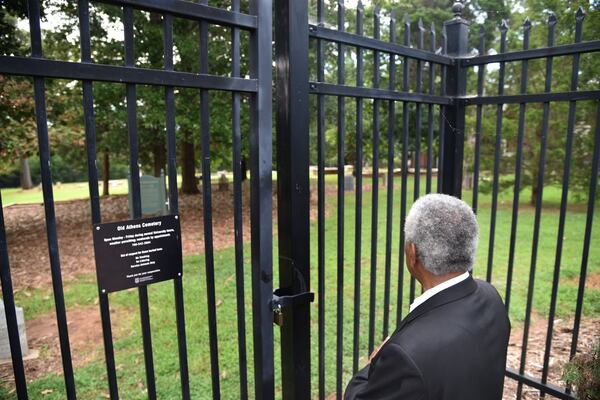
(137, 252)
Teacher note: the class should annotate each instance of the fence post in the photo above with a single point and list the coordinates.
(293, 195)
(457, 30)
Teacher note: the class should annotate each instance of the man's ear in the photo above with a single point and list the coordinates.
(410, 250)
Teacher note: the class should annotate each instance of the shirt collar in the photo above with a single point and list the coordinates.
(436, 289)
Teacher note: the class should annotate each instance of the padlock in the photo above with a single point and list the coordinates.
(278, 317)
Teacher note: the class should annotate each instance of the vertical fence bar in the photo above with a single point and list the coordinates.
(321, 201)
(11, 313)
(538, 206)
(293, 191)
(390, 182)
(563, 202)
(588, 226)
(174, 203)
(237, 209)
(497, 154)
(341, 151)
(519, 161)
(430, 112)
(457, 30)
(442, 120)
(134, 173)
(404, 172)
(418, 129)
(358, 200)
(90, 139)
(261, 200)
(375, 187)
(418, 113)
(44, 153)
(587, 235)
(478, 121)
(207, 215)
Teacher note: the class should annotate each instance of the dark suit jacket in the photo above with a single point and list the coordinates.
(451, 347)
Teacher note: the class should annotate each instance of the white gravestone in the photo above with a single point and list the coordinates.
(4, 343)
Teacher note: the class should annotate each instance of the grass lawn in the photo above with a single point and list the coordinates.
(61, 192)
(91, 379)
(79, 190)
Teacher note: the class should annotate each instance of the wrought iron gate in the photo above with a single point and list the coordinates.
(257, 86)
(434, 105)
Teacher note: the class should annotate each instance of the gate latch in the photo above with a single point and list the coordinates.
(281, 301)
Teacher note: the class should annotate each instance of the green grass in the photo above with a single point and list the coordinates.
(78, 190)
(91, 379)
(61, 192)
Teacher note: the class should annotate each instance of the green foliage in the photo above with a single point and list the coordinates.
(584, 373)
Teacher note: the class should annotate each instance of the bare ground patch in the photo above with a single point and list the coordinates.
(85, 339)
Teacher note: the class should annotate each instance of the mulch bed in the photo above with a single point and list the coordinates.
(28, 246)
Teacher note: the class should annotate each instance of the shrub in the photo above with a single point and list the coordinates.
(583, 372)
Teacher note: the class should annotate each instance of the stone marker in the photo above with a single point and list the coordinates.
(4, 343)
(223, 182)
(348, 183)
(152, 193)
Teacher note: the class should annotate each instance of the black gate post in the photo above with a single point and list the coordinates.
(291, 55)
(457, 31)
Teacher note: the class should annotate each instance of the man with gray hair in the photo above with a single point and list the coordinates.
(452, 344)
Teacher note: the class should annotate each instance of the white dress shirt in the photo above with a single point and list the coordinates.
(436, 289)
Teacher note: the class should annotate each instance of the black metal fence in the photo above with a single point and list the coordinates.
(428, 144)
(257, 87)
(434, 115)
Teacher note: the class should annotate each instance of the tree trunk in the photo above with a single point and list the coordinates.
(534, 192)
(26, 182)
(160, 158)
(188, 166)
(105, 172)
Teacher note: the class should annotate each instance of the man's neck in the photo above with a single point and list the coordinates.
(429, 281)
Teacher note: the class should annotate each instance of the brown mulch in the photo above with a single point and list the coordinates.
(28, 246)
(561, 347)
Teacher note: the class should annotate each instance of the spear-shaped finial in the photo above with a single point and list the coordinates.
(504, 26)
(457, 8)
(552, 19)
(420, 25)
(527, 24)
(481, 31)
(580, 14)
(360, 6)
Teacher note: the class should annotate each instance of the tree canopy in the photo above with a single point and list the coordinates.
(61, 41)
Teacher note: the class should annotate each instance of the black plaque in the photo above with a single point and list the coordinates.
(137, 252)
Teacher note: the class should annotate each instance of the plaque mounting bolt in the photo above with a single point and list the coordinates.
(177, 217)
(103, 290)
(179, 274)
(97, 228)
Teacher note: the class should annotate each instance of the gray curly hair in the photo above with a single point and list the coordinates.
(445, 232)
